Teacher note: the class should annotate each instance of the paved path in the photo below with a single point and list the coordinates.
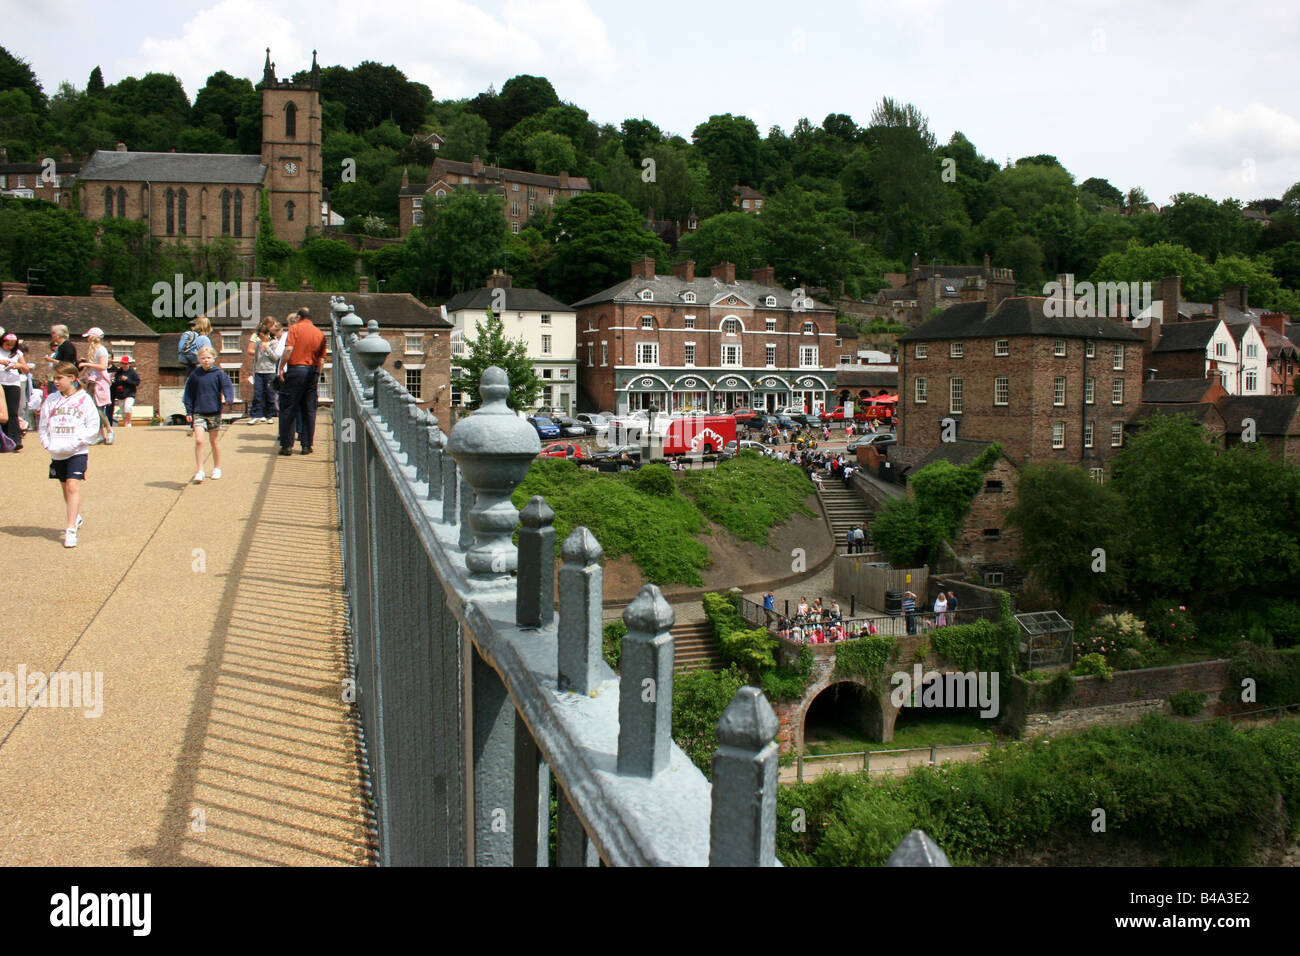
(214, 613)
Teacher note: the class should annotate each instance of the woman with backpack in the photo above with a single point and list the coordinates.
(199, 335)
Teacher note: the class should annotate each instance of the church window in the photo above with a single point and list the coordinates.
(288, 210)
(108, 202)
(239, 213)
(225, 212)
(290, 121)
(121, 201)
(181, 199)
(170, 197)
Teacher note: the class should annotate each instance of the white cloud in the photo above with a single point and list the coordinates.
(1255, 132)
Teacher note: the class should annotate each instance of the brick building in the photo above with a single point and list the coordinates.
(715, 343)
(748, 199)
(1047, 388)
(1275, 419)
(45, 179)
(525, 193)
(206, 196)
(419, 336)
(910, 299)
(32, 315)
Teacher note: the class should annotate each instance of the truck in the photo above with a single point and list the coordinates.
(698, 434)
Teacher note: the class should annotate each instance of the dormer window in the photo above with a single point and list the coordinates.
(809, 328)
(647, 295)
(689, 297)
(770, 301)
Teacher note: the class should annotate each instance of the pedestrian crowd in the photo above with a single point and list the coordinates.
(71, 403)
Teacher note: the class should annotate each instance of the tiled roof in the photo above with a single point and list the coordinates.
(669, 289)
(1014, 317)
(19, 169)
(390, 309)
(517, 300)
(168, 343)
(963, 451)
(863, 376)
(746, 192)
(459, 168)
(1175, 390)
(1273, 340)
(32, 315)
(1273, 414)
(846, 331)
(113, 166)
(1186, 336)
(1203, 412)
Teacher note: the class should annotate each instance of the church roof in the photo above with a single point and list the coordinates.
(113, 166)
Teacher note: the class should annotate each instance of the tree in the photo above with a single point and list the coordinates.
(222, 97)
(550, 153)
(491, 347)
(597, 236)
(727, 237)
(804, 241)
(1064, 516)
(729, 144)
(16, 74)
(59, 243)
(95, 84)
(638, 136)
(462, 238)
(1099, 192)
(270, 250)
(1140, 263)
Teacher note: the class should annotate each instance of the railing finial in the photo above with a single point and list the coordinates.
(645, 704)
(581, 628)
(742, 830)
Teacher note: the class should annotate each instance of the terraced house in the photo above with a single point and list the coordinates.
(1047, 388)
(715, 343)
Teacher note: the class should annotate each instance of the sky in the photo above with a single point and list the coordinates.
(1168, 95)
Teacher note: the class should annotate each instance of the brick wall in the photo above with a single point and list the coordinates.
(1024, 425)
(202, 210)
(988, 511)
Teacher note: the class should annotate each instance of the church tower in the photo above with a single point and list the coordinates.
(291, 151)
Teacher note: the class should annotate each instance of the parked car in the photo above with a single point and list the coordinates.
(734, 447)
(569, 428)
(596, 422)
(876, 438)
(745, 414)
(561, 450)
(616, 451)
(545, 427)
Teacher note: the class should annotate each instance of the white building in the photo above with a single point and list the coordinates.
(547, 326)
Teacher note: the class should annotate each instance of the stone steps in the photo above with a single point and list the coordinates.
(694, 646)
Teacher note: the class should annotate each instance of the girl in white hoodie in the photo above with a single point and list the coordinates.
(69, 420)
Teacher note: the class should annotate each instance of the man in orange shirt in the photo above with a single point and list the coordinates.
(300, 367)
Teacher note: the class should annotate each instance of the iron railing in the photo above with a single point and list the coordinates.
(474, 691)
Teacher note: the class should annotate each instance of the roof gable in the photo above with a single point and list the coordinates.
(217, 168)
(1015, 317)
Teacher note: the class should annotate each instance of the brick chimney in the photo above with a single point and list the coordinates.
(1275, 321)
(501, 280)
(101, 291)
(726, 271)
(643, 268)
(685, 270)
(1219, 303)
(1238, 296)
(764, 276)
(9, 289)
(476, 166)
(564, 179)
(363, 285)
(4, 155)
(270, 284)
(406, 177)
(916, 265)
(306, 286)
(988, 264)
(121, 147)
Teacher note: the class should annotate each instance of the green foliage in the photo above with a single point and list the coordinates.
(866, 658)
(612, 642)
(1170, 624)
(1276, 675)
(491, 347)
(1058, 690)
(699, 698)
(748, 495)
(789, 683)
(969, 647)
(270, 250)
(1186, 703)
(658, 534)
(1121, 640)
(1063, 516)
(1093, 664)
(727, 237)
(329, 256)
(596, 236)
(1196, 793)
(750, 649)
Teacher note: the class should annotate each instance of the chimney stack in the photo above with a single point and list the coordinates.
(726, 271)
(564, 179)
(643, 268)
(9, 289)
(101, 291)
(685, 270)
(1238, 295)
(764, 276)
(501, 280)
(1219, 303)
(988, 263)
(363, 285)
(916, 265)
(121, 147)
(4, 155)
(1275, 321)
(476, 166)
(270, 284)
(306, 286)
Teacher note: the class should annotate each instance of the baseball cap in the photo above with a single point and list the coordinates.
(126, 360)
(96, 332)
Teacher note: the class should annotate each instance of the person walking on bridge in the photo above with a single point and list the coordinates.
(300, 367)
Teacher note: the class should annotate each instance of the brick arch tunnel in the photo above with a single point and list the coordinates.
(848, 703)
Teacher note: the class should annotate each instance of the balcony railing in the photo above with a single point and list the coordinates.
(476, 688)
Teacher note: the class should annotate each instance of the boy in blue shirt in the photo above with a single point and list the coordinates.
(204, 391)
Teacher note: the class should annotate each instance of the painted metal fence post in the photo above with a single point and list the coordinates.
(645, 702)
(535, 602)
(581, 589)
(742, 830)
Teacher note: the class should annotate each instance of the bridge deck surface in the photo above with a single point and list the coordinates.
(214, 613)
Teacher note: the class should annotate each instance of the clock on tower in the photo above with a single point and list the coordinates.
(291, 168)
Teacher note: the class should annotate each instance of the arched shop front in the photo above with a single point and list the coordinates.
(731, 392)
(771, 392)
(810, 392)
(691, 391)
(646, 390)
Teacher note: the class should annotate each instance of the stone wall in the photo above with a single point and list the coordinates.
(1128, 696)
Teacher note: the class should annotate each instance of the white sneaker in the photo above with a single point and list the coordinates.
(70, 538)
(79, 523)
(198, 477)
(112, 437)
(216, 473)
